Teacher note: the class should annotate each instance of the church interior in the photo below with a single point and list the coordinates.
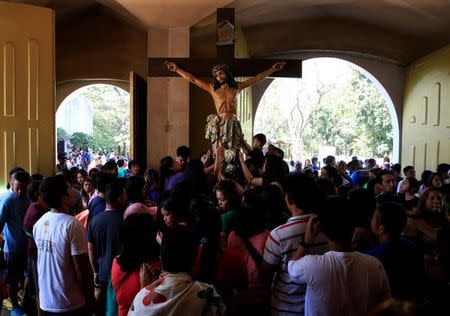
(50, 48)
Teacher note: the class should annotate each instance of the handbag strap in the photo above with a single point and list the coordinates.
(256, 256)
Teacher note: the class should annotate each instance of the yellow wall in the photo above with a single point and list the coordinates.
(27, 89)
(426, 113)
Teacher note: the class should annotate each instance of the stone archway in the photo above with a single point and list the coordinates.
(79, 110)
(393, 109)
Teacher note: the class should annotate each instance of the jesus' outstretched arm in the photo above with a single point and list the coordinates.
(262, 75)
(188, 76)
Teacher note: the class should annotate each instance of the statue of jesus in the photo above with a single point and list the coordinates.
(224, 128)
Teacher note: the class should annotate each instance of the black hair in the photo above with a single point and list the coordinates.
(379, 177)
(329, 159)
(109, 166)
(230, 190)
(83, 173)
(261, 138)
(151, 177)
(33, 190)
(372, 161)
(120, 163)
(66, 174)
(396, 167)
(333, 175)
(131, 163)
(429, 181)
(303, 191)
(249, 221)
(195, 176)
(85, 194)
(113, 192)
(327, 187)
(183, 151)
(36, 177)
(393, 217)
(407, 169)
(165, 171)
(73, 175)
(230, 80)
(102, 179)
(276, 169)
(135, 186)
(257, 158)
(177, 250)
(443, 168)
(175, 207)
(21, 176)
(424, 176)
(52, 189)
(137, 235)
(413, 184)
(206, 225)
(335, 221)
(276, 211)
(362, 205)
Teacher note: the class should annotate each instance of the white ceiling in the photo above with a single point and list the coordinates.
(172, 13)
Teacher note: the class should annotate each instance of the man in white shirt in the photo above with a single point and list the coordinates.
(342, 281)
(65, 285)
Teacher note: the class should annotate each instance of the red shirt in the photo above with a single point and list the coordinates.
(33, 214)
(126, 289)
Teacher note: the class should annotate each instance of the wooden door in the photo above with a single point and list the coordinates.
(27, 89)
(138, 119)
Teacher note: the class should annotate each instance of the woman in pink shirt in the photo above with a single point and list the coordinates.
(139, 248)
(249, 239)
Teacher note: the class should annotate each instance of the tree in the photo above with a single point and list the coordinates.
(62, 134)
(81, 140)
(111, 107)
(333, 105)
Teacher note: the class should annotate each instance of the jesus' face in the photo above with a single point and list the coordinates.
(220, 76)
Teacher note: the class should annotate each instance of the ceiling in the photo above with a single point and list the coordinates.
(417, 19)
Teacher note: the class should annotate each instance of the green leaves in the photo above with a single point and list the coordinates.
(333, 105)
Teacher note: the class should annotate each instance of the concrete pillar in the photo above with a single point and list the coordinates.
(167, 98)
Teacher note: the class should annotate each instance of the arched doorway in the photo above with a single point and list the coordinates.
(94, 119)
(292, 109)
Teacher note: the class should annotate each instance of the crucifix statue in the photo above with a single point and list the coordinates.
(224, 128)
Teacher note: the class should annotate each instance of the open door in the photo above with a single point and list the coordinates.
(27, 89)
(138, 119)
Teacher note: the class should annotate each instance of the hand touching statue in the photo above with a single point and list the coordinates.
(278, 66)
(171, 66)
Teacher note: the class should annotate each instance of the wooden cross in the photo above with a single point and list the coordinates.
(240, 67)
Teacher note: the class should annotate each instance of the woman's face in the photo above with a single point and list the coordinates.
(169, 218)
(404, 186)
(341, 168)
(222, 201)
(80, 178)
(323, 173)
(87, 186)
(433, 204)
(436, 182)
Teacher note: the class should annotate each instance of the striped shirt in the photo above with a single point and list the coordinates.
(288, 297)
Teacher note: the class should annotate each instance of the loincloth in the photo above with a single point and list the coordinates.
(228, 130)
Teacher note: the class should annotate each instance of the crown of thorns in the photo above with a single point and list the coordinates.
(216, 68)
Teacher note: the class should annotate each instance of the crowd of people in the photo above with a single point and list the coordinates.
(227, 234)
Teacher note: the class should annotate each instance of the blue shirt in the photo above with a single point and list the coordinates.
(403, 264)
(97, 205)
(12, 213)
